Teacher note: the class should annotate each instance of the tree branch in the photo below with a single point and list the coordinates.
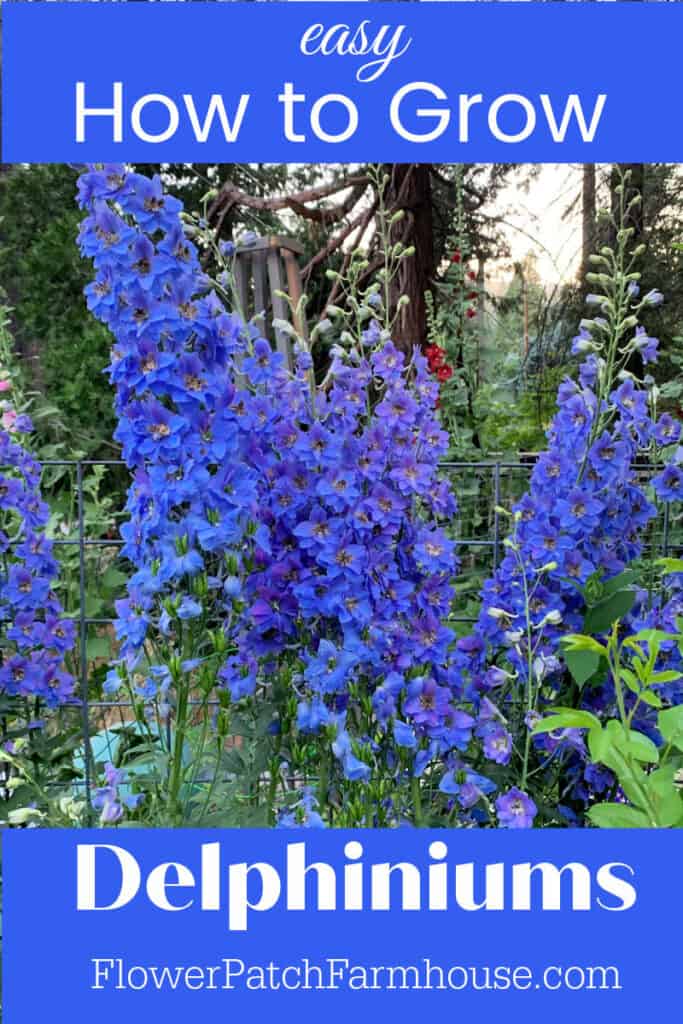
(230, 195)
(337, 240)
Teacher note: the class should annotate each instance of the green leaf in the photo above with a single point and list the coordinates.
(664, 677)
(94, 608)
(579, 642)
(113, 578)
(642, 748)
(602, 616)
(623, 581)
(99, 647)
(630, 642)
(232, 762)
(632, 743)
(598, 744)
(667, 800)
(651, 637)
(670, 565)
(567, 718)
(617, 816)
(582, 664)
(651, 698)
(22, 796)
(670, 724)
(630, 679)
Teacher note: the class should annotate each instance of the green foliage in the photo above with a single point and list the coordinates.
(650, 777)
(64, 350)
(606, 602)
(514, 420)
(105, 577)
(499, 399)
(38, 766)
(663, 268)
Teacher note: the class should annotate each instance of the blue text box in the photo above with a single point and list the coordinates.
(479, 72)
(609, 952)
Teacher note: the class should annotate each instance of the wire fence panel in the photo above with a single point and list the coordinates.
(93, 575)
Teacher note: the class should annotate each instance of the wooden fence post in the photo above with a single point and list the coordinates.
(264, 268)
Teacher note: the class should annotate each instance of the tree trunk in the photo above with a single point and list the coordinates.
(410, 189)
(588, 237)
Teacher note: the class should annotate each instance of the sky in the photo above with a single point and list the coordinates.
(545, 220)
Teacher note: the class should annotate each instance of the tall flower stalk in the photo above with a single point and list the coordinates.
(34, 634)
(286, 552)
(580, 524)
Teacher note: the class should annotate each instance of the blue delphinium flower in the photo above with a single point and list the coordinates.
(515, 809)
(646, 347)
(34, 634)
(299, 527)
(108, 800)
(582, 520)
(467, 786)
(178, 429)
(302, 814)
(668, 484)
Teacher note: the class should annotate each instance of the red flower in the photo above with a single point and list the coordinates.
(473, 295)
(472, 275)
(435, 357)
(444, 373)
(456, 257)
(471, 312)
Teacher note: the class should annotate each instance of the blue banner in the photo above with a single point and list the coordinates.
(301, 925)
(342, 82)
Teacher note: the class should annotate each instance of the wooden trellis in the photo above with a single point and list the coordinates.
(263, 269)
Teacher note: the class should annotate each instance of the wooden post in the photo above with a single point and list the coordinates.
(262, 270)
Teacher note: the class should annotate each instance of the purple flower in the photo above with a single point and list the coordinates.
(302, 814)
(667, 430)
(404, 735)
(34, 635)
(582, 342)
(427, 703)
(466, 785)
(497, 744)
(646, 346)
(109, 801)
(668, 484)
(515, 809)
(328, 670)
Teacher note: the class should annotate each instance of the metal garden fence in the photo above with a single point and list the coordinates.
(479, 530)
